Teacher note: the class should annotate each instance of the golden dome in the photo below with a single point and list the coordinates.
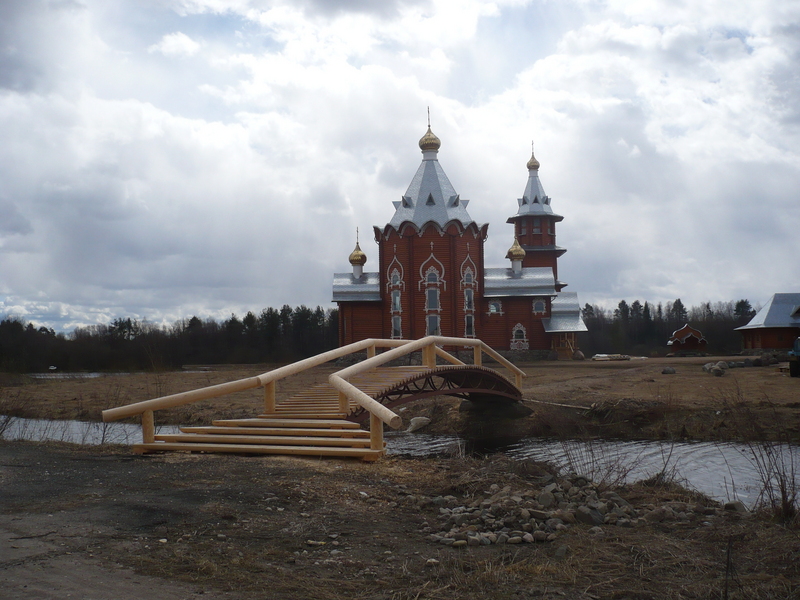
(357, 257)
(516, 251)
(533, 164)
(429, 141)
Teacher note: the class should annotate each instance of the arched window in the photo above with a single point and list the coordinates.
(519, 338)
(539, 306)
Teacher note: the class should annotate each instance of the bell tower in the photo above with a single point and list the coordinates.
(535, 225)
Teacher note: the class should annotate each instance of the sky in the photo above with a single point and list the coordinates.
(164, 159)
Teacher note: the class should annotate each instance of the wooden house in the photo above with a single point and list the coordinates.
(687, 339)
(775, 326)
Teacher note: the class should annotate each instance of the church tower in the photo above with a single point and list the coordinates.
(535, 225)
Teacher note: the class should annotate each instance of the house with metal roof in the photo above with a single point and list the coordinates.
(431, 278)
(775, 326)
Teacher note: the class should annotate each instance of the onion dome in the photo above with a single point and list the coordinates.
(357, 257)
(515, 252)
(429, 141)
(533, 164)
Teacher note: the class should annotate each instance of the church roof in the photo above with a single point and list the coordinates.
(348, 288)
(565, 314)
(431, 196)
(534, 201)
(530, 281)
(782, 310)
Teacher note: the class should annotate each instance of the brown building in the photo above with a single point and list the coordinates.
(687, 339)
(431, 278)
(775, 326)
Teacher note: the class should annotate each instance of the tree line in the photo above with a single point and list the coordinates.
(274, 335)
(644, 329)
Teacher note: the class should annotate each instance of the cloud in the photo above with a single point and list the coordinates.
(217, 157)
(176, 45)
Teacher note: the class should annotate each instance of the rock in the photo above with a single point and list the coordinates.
(668, 371)
(656, 515)
(528, 538)
(539, 536)
(459, 543)
(431, 562)
(707, 367)
(562, 551)
(417, 423)
(514, 540)
(596, 531)
(736, 506)
(578, 355)
(722, 365)
(589, 516)
(717, 371)
(546, 499)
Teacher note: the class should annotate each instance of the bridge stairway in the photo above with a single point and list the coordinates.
(309, 424)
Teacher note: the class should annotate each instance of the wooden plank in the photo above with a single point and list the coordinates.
(365, 453)
(270, 422)
(266, 440)
(345, 433)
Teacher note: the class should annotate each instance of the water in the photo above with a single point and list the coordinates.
(87, 433)
(721, 471)
(724, 471)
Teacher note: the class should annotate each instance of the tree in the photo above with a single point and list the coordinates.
(743, 311)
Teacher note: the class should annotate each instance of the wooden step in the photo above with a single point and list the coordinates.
(363, 453)
(348, 433)
(287, 422)
(266, 440)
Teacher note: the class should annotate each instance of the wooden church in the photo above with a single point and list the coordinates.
(431, 278)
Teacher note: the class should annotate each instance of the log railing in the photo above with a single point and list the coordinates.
(431, 348)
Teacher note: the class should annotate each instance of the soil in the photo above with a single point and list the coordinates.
(99, 522)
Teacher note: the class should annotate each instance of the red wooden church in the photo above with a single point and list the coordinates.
(431, 278)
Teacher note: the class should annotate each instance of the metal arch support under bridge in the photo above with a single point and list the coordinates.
(320, 421)
(468, 382)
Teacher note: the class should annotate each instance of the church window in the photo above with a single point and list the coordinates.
(537, 225)
(397, 327)
(469, 326)
(433, 325)
(432, 277)
(519, 339)
(495, 308)
(469, 303)
(432, 295)
(468, 276)
(395, 277)
(539, 306)
(523, 228)
(395, 300)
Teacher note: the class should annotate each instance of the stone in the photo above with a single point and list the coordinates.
(717, 371)
(459, 543)
(596, 531)
(656, 515)
(589, 516)
(546, 499)
(417, 423)
(722, 365)
(539, 536)
(562, 551)
(736, 506)
(578, 355)
(668, 371)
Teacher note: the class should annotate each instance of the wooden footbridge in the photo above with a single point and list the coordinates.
(325, 420)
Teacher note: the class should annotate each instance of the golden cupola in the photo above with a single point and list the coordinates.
(516, 252)
(429, 142)
(357, 257)
(533, 164)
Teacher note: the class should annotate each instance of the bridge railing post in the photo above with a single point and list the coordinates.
(269, 397)
(429, 355)
(477, 356)
(375, 432)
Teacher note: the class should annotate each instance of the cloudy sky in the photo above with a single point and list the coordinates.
(162, 159)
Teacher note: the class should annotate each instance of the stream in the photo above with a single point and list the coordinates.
(724, 471)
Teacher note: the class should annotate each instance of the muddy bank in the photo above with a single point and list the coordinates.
(81, 522)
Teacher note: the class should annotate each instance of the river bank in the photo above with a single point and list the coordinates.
(100, 523)
(97, 522)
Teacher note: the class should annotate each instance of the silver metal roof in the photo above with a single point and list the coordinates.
(565, 311)
(430, 197)
(532, 281)
(347, 288)
(782, 310)
(534, 201)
